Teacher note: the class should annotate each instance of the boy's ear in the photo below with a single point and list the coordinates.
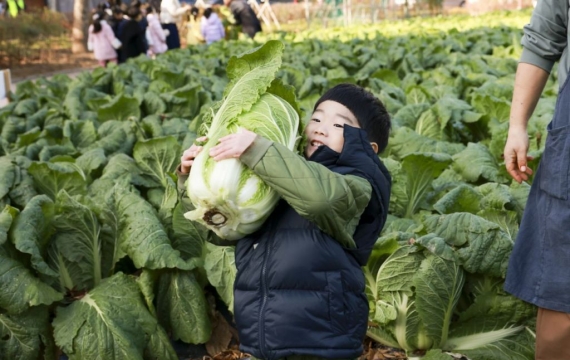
(374, 147)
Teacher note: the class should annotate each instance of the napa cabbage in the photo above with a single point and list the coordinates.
(427, 295)
(228, 197)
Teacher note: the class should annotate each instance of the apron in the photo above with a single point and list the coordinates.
(539, 266)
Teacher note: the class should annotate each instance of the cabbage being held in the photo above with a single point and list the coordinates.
(228, 197)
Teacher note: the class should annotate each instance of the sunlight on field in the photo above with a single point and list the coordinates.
(416, 26)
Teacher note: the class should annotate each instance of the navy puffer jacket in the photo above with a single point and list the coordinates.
(298, 290)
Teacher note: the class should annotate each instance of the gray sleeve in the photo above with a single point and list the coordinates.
(546, 36)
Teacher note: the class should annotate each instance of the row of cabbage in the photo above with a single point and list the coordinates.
(97, 260)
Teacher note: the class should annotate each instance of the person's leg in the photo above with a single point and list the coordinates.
(102, 63)
(173, 38)
(552, 335)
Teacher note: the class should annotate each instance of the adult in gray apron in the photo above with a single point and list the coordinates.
(539, 266)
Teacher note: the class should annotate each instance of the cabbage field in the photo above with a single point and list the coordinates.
(98, 261)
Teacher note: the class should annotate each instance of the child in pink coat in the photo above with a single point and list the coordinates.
(102, 40)
(155, 34)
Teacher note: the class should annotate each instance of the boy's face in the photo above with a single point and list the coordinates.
(326, 126)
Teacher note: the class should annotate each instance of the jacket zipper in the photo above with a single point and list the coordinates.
(261, 324)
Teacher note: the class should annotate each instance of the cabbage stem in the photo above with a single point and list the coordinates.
(214, 217)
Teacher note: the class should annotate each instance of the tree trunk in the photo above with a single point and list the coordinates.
(80, 23)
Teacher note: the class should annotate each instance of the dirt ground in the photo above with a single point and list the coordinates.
(62, 62)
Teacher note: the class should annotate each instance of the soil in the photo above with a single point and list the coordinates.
(373, 351)
(61, 61)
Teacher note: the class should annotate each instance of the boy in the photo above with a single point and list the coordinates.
(299, 289)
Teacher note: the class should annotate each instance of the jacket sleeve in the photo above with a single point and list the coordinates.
(188, 206)
(545, 37)
(332, 201)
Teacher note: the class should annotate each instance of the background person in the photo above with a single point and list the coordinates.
(119, 21)
(211, 27)
(155, 33)
(193, 33)
(133, 36)
(244, 16)
(170, 14)
(118, 25)
(102, 41)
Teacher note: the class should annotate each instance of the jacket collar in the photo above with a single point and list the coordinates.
(358, 156)
(355, 144)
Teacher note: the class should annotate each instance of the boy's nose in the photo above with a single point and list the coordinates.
(320, 130)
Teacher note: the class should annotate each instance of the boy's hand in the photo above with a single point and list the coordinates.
(233, 146)
(515, 155)
(189, 155)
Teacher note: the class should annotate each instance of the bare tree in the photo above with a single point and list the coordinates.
(80, 23)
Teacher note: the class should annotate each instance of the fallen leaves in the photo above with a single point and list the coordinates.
(376, 351)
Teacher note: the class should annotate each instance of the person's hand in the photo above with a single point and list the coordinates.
(515, 154)
(189, 155)
(233, 146)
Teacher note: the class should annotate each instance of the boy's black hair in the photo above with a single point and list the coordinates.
(367, 108)
(208, 12)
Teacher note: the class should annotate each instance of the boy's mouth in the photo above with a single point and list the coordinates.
(316, 143)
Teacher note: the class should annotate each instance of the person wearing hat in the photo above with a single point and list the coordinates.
(299, 290)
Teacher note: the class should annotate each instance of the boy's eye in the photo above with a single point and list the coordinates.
(339, 125)
(316, 120)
